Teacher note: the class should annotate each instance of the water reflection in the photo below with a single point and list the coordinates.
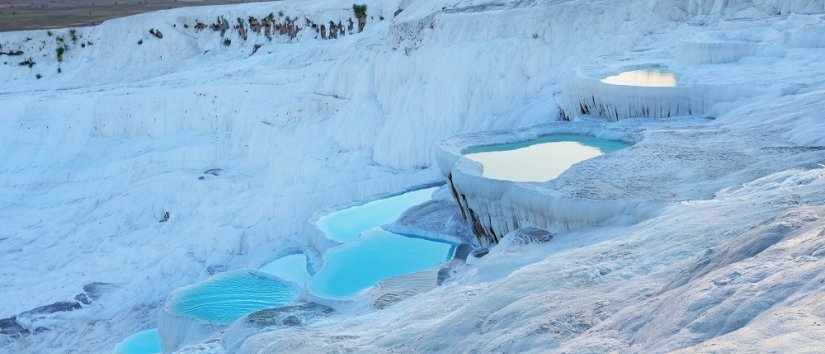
(644, 77)
(541, 159)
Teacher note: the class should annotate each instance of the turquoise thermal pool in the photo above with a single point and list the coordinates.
(143, 342)
(226, 297)
(541, 159)
(347, 224)
(290, 268)
(369, 253)
(643, 78)
(377, 255)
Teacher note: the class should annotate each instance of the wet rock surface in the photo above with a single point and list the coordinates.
(83, 299)
(213, 171)
(290, 316)
(291, 321)
(287, 316)
(462, 251)
(13, 328)
(60, 306)
(529, 235)
(387, 300)
(396, 289)
(10, 327)
(438, 219)
(95, 290)
(443, 275)
(216, 268)
(480, 252)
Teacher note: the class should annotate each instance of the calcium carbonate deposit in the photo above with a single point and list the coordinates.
(155, 166)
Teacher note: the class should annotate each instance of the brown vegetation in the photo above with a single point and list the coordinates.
(39, 14)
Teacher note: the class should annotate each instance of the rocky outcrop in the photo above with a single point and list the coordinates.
(60, 306)
(529, 235)
(287, 316)
(436, 219)
(83, 299)
(396, 289)
(25, 323)
(95, 290)
(156, 33)
(10, 327)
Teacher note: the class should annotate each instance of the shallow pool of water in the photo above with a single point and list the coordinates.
(541, 159)
(226, 297)
(143, 342)
(290, 268)
(369, 253)
(376, 255)
(346, 224)
(644, 77)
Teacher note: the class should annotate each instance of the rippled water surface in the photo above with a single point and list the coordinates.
(227, 297)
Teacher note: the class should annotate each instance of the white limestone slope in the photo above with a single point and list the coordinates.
(94, 156)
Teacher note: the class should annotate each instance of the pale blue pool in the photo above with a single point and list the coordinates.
(143, 342)
(367, 255)
(376, 255)
(290, 268)
(541, 159)
(652, 77)
(370, 254)
(346, 224)
(226, 297)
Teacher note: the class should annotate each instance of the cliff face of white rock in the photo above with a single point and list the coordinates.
(623, 187)
(588, 95)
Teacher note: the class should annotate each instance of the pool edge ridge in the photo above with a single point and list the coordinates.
(493, 207)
